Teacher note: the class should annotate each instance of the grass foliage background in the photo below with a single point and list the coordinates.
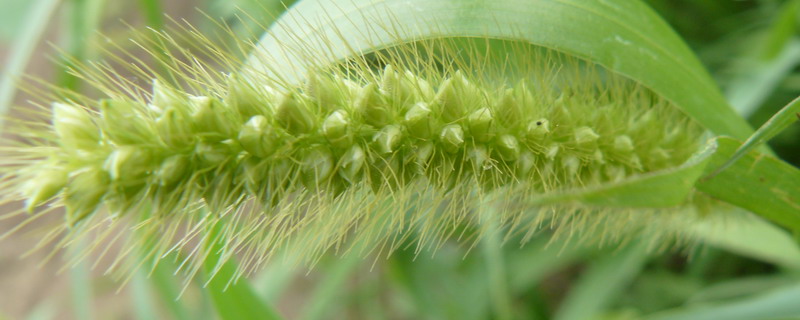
(752, 50)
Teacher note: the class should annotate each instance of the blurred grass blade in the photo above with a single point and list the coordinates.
(739, 287)
(143, 307)
(151, 9)
(274, 279)
(327, 296)
(777, 304)
(604, 279)
(745, 234)
(627, 37)
(84, 21)
(44, 310)
(232, 300)
(81, 293)
(780, 121)
(772, 59)
(533, 262)
(782, 29)
(754, 84)
(450, 285)
(757, 182)
(162, 279)
(262, 12)
(499, 287)
(236, 301)
(38, 18)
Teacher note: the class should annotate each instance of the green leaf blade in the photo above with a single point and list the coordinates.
(777, 304)
(757, 182)
(788, 115)
(234, 300)
(662, 189)
(39, 17)
(603, 280)
(624, 36)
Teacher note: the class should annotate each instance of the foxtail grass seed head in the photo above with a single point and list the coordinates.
(403, 145)
(74, 127)
(46, 183)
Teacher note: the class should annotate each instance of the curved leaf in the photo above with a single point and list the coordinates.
(232, 299)
(776, 304)
(605, 278)
(625, 36)
(661, 189)
(742, 233)
(781, 120)
(757, 182)
(36, 23)
(733, 229)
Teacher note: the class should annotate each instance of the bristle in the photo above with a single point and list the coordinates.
(411, 146)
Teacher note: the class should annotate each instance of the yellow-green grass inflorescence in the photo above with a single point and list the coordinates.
(337, 132)
(380, 155)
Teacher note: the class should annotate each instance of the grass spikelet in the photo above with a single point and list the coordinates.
(413, 145)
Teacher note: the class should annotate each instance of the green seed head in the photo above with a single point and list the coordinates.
(388, 139)
(623, 143)
(336, 129)
(83, 193)
(452, 138)
(316, 167)
(418, 120)
(421, 156)
(172, 129)
(508, 147)
(355, 151)
(538, 129)
(209, 119)
(246, 99)
(258, 137)
(351, 164)
(327, 94)
(584, 135)
(480, 124)
(165, 97)
(173, 170)
(293, 114)
(124, 124)
(128, 162)
(372, 106)
(45, 184)
(74, 127)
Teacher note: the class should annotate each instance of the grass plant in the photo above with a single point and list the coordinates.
(382, 131)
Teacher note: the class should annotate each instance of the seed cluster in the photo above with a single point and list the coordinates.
(336, 132)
